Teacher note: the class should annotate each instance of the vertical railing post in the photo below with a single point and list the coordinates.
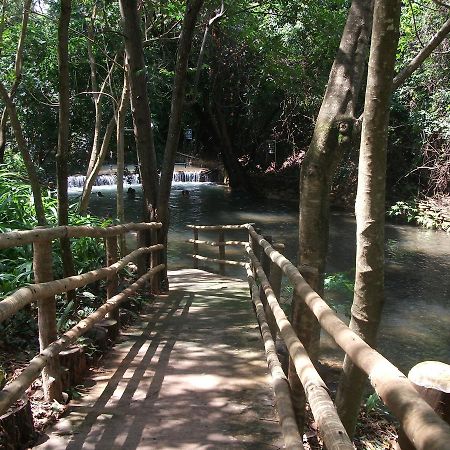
(297, 391)
(43, 272)
(256, 248)
(141, 261)
(222, 250)
(267, 266)
(155, 258)
(195, 248)
(113, 279)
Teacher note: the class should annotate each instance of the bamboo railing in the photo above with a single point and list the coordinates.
(44, 290)
(221, 243)
(424, 428)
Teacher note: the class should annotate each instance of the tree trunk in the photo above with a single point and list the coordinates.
(29, 164)
(332, 136)
(17, 73)
(63, 135)
(176, 111)
(140, 106)
(370, 207)
(90, 180)
(121, 115)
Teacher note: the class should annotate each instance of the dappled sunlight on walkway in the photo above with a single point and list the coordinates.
(191, 375)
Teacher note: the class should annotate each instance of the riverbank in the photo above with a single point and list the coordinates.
(428, 212)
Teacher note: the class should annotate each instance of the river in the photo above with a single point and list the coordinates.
(416, 316)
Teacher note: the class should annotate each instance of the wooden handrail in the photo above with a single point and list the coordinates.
(216, 243)
(14, 390)
(19, 238)
(220, 227)
(219, 261)
(26, 295)
(421, 424)
(280, 383)
(329, 425)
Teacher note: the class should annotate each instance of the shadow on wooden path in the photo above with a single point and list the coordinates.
(191, 375)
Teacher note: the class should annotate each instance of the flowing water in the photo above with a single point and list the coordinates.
(416, 317)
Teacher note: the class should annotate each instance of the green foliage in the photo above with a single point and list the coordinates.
(339, 288)
(424, 213)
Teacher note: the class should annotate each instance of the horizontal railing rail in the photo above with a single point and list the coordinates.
(44, 294)
(423, 426)
(24, 237)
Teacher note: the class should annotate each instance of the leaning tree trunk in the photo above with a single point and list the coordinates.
(370, 208)
(90, 179)
(29, 164)
(176, 111)
(17, 72)
(63, 135)
(121, 115)
(332, 136)
(140, 106)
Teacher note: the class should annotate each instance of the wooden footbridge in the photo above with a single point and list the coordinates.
(192, 374)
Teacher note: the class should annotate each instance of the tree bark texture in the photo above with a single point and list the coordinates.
(370, 202)
(332, 135)
(140, 105)
(64, 133)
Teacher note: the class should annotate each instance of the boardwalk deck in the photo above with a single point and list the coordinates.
(190, 375)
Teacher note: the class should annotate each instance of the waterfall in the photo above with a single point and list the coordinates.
(198, 176)
(77, 181)
(194, 176)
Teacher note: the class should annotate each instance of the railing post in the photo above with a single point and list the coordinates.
(297, 391)
(266, 265)
(141, 261)
(195, 248)
(112, 282)
(255, 247)
(432, 381)
(222, 250)
(155, 258)
(43, 272)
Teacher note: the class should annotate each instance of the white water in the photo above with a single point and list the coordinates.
(77, 181)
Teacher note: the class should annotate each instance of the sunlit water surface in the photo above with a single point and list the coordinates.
(416, 317)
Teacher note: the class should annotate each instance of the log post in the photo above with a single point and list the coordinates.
(112, 257)
(275, 278)
(155, 259)
(222, 250)
(43, 272)
(266, 265)
(255, 247)
(432, 381)
(195, 248)
(297, 391)
(141, 261)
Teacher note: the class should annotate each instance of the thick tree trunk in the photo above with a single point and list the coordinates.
(140, 106)
(332, 135)
(176, 111)
(64, 134)
(90, 180)
(370, 207)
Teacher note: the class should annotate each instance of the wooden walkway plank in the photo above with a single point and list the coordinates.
(191, 375)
